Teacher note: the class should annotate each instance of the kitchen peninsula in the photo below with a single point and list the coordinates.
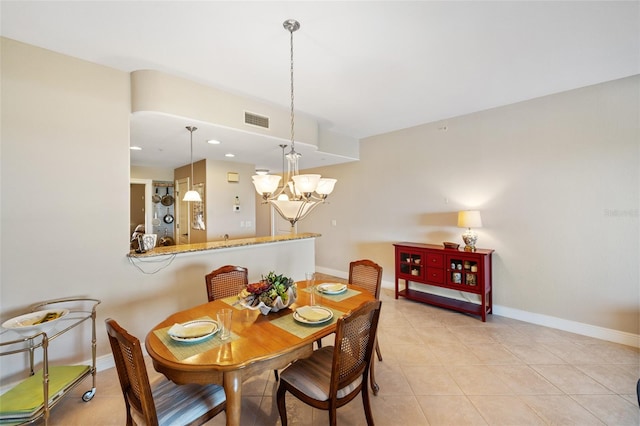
(291, 254)
(217, 245)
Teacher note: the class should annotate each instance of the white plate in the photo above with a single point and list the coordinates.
(24, 324)
(196, 323)
(328, 312)
(332, 288)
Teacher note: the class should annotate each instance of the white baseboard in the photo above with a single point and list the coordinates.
(589, 330)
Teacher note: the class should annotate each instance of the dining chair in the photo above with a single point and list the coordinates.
(367, 274)
(163, 402)
(226, 281)
(332, 376)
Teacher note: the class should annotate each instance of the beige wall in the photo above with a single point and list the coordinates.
(556, 179)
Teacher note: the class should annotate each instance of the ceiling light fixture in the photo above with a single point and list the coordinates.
(213, 142)
(300, 194)
(192, 195)
(135, 148)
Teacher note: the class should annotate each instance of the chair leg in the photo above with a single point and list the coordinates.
(366, 402)
(282, 406)
(372, 377)
(378, 351)
(275, 372)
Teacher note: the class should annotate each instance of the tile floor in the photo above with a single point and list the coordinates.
(444, 368)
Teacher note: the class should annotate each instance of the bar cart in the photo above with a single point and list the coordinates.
(34, 397)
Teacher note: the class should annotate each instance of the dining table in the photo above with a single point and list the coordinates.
(257, 342)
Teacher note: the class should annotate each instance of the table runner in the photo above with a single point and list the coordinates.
(337, 297)
(183, 350)
(290, 325)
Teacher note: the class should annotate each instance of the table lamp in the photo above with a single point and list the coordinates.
(469, 219)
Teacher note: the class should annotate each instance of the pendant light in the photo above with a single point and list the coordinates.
(299, 194)
(192, 195)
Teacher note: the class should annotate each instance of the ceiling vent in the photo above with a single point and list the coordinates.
(256, 120)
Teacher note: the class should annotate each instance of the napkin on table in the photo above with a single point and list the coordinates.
(332, 287)
(178, 330)
(310, 314)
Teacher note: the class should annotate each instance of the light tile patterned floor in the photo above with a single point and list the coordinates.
(445, 368)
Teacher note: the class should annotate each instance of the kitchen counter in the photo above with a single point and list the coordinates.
(221, 245)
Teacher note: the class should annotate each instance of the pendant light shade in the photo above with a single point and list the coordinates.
(192, 195)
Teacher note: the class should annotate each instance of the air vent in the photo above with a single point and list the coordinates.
(256, 120)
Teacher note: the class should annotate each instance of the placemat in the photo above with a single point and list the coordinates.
(288, 324)
(233, 301)
(183, 350)
(337, 297)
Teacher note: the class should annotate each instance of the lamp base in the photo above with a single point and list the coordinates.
(470, 238)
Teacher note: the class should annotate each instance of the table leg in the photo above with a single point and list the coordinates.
(232, 382)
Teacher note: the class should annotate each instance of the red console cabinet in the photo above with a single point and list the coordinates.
(425, 265)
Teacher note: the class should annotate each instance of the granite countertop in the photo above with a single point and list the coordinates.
(217, 245)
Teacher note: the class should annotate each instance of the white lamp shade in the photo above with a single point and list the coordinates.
(306, 183)
(325, 186)
(469, 219)
(291, 209)
(266, 184)
(192, 196)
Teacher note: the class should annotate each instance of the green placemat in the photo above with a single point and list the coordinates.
(288, 324)
(182, 350)
(27, 397)
(233, 301)
(338, 297)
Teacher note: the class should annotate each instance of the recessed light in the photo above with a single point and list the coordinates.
(262, 171)
(230, 155)
(213, 142)
(135, 148)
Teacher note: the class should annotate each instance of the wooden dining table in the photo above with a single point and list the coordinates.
(258, 343)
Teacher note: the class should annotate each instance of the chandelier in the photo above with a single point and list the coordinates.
(299, 194)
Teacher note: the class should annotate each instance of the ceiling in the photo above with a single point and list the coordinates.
(361, 68)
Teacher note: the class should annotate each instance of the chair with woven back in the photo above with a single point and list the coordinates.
(226, 281)
(367, 274)
(334, 375)
(163, 402)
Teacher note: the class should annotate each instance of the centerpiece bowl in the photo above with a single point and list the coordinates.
(272, 294)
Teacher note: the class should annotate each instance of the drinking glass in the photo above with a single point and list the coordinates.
(224, 319)
(311, 285)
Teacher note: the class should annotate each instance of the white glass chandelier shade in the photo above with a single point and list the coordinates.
(306, 184)
(192, 195)
(266, 184)
(293, 210)
(299, 194)
(325, 186)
